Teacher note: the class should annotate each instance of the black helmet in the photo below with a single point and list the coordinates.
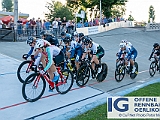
(87, 40)
(155, 45)
(42, 32)
(30, 40)
(66, 40)
(63, 34)
(81, 34)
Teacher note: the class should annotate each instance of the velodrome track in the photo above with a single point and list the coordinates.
(78, 100)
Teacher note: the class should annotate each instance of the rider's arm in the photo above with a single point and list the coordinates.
(50, 58)
(153, 50)
(30, 52)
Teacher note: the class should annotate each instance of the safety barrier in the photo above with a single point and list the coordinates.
(152, 26)
(106, 27)
(7, 34)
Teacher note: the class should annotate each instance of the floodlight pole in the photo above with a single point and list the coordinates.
(15, 12)
(100, 12)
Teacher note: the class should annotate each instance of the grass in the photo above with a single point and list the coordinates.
(100, 112)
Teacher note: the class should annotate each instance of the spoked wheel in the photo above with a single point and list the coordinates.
(33, 87)
(152, 68)
(65, 82)
(133, 75)
(103, 74)
(83, 75)
(119, 73)
(24, 70)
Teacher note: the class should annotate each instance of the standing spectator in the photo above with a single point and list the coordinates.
(11, 24)
(64, 21)
(46, 25)
(59, 25)
(90, 23)
(86, 24)
(33, 25)
(55, 27)
(69, 26)
(28, 27)
(19, 27)
(38, 27)
(79, 24)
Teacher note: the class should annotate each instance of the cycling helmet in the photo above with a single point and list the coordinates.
(155, 45)
(87, 40)
(81, 34)
(66, 40)
(124, 41)
(75, 33)
(42, 32)
(122, 45)
(30, 40)
(63, 34)
(40, 43)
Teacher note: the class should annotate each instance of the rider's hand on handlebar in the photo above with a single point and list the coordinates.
(42, 72)
(25, 56)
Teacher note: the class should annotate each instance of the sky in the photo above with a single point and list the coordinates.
(138, 8)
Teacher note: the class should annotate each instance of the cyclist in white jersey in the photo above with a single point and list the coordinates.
(54, 55)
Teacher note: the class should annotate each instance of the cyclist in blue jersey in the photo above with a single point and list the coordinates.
(63, 35)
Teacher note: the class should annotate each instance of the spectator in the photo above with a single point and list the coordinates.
(55, 27)
(59, 25)
(90, 23)
(19, 27)
(28, 27)
(79, 24)
(33, 25)
(64, 21)
(38, 27)
(46, 25)
(11, 24)
(86, 24)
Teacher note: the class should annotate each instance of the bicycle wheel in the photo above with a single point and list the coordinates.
(23, 70)
(83, 75)
(64, 84)
(33, 87)
(152, 68)
(133, 75)
(103, 74)
(120, 73)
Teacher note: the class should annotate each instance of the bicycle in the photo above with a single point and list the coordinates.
(24, 69)
(83, 72)
(154, 66)
(122, 69)
(34, 86)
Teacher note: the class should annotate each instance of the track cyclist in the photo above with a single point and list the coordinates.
(130, 55)
(64, 35)
(54, 55)
(156, 53)
(96, 52)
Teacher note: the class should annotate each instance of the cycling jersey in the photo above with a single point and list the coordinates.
(96, 49)
(131, 53)
(53, 53)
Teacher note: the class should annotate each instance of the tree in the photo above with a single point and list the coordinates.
(57, 9)
(106, 4)
(8, 5)
(151, 14)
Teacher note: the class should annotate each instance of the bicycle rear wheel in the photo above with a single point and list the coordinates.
(23, 70)
(83, 75)
(119, 73)
(152, 68)
(33, 87)
(64, 84)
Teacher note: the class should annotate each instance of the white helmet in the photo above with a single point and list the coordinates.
(129, 44)
(75, 33)
(40, 43)
(124, 41)
(121, 45)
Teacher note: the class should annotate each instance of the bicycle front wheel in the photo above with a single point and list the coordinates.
(83, 75)
(23, 70)
(33, 87)
(152, 68)
(119, 73)
(65, 82)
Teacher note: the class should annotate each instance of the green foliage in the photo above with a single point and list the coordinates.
(151, 13)
(106, 5)
(8, 4)
(130, 18)
(57, 9)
